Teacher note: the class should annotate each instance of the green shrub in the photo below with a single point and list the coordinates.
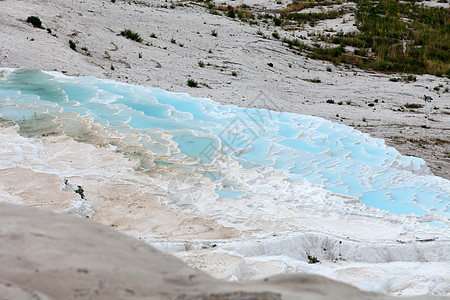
(270, 65)
(131, 35)
(201, 64)
(276, 35)
(80, 191)
(214, 33)
(330, 101)
(192, 83)
(35, 21)
(234, 73)
(72, 45)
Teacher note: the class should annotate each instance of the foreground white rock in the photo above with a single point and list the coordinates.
(54, 256)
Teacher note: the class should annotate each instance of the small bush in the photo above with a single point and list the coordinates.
(72, 45)
(231, 14)
(192, 83)
(316, 80)
(411, 78)
(153, 36)
(270, 65)
(35, 21)
(340, 103)
(173, 41)
(80, 191)
(131, 35)
(312, 259)
(276, 35)
(201, 64)
(330, 101)
(277, 21)
(329, 69)
(214, 32)
(371, 104)
(234, 73)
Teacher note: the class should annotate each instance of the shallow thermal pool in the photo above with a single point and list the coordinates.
(169, 130)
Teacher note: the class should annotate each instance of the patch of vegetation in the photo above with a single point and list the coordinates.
(276, 35)
(129, 34)
(277, 21)
(35, 21)
(192, 83)
(80, 191)
(234, 73)
(153, 36)
(314, 17)
(173, 41)
(330, 101)
(312, 259)
(413, 105)
(270, 64)
(410, 78)
(201, 64)
(214, 33)
(381, 26)
(72, 45)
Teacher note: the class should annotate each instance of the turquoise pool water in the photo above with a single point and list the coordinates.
(342, 159)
